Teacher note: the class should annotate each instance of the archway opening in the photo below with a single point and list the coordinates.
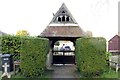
(59, 19)
(67, 19)
(63, 52)
(63, 18)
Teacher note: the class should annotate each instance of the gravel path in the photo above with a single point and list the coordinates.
(64, 71)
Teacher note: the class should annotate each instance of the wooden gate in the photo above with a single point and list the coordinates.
(63, 57)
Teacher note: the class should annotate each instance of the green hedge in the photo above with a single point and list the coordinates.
(90, 56)
(30, 50)
(11, 45)
(0, 44)
(33, 56)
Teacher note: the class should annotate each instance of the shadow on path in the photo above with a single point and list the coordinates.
(64, 71)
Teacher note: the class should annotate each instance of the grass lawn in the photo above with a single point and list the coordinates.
(111, 74)
(46, 76)
(108, 74)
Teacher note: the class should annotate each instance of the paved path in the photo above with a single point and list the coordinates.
(64, 71)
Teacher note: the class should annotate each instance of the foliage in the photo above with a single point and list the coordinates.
(11, 45)
(89, 34)
(33, 56)
(110, 74)
(108, 55)
(47, 74)
(22, 33)
(0, 44)
(90, 56)
(57, 43)
(32, 52)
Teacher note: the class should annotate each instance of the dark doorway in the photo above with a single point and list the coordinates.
(66, 57)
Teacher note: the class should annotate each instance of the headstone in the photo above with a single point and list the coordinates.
(5, 73)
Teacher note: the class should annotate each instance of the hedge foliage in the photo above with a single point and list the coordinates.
(0, 44)
(33, 56)
(90, 55)
(31, 51)
(10, 45)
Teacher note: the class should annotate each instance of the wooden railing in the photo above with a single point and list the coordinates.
(114, 65)
(16, 63)
(63, 51)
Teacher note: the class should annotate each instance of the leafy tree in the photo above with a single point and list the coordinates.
(119, 33)
(57, 43)
(89, 34)
(108, 55)
(22, 33)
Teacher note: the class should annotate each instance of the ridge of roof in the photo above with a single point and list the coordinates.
(63, 28)
(114, 36)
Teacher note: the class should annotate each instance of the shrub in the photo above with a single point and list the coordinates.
(33, 56)
(11, 45)
(30, 50)
(0, 44)
(90, 56)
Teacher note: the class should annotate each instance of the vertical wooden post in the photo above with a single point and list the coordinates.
(116, 67)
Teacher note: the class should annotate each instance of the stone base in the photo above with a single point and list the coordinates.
(50, 68)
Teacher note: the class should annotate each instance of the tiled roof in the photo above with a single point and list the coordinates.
(115, 37)
(114, 43)
(63, 25)
(62, 31)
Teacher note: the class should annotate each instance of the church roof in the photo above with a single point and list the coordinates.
(63, 25)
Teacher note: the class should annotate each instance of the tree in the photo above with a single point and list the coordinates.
(57, 43)
(119, 33)
(89, 34)
(22, 33)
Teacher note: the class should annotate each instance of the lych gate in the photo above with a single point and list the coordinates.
(62, 27)
(62, 56)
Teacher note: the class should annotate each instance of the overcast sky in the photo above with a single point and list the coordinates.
(98, 16)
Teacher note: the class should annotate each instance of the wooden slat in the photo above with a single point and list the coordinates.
(64, 51)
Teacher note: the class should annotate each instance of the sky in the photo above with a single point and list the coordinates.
(98, 16)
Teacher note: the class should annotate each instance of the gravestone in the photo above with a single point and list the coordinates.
(6, 73)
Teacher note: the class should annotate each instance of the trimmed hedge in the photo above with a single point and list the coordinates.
(11, 45)
(90, 56)
(33, 56)
(0, 44)
(31, 51)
